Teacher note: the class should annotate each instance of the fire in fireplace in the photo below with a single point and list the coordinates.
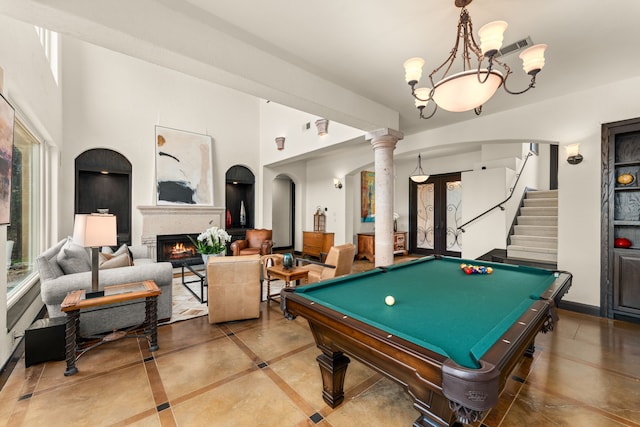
(177, 249)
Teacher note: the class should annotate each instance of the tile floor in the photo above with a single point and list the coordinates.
(263, 373)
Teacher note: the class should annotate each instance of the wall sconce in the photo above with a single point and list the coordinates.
(337, 183)
(573, 154)
(323, 126)
(280, 142)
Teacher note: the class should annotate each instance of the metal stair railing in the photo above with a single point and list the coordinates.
(499, 205)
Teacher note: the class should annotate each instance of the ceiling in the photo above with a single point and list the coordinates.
(343, 59)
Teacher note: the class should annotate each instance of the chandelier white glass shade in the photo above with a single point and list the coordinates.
(470, 88)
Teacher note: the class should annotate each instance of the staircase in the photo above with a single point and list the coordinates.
(535, 235)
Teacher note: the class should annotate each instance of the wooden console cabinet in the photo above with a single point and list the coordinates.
(367, 245)
(315, 243)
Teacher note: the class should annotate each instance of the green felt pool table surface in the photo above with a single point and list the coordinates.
(437, 305)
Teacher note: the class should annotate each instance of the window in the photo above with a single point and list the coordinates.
(23, 234)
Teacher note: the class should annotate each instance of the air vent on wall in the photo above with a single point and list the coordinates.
(515, 47)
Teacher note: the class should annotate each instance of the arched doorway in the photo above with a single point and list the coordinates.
(239, 201)
(103, 181)
(283, 212)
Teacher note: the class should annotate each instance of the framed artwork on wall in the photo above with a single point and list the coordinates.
(7, 117)
(367, 196)
(184, 168)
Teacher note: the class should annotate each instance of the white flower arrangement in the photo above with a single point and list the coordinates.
(212, 241)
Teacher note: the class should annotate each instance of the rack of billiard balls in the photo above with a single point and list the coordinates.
(475, 269)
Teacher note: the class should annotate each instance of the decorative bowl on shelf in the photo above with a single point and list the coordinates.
(625, 179)
(621, 242)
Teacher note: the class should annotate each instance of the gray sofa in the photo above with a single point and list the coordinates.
(55, 284)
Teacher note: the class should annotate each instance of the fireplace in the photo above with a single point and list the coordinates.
(177, 249)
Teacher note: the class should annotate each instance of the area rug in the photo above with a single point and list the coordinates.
(186, 306)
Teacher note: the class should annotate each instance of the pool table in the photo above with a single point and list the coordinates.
(451, 338)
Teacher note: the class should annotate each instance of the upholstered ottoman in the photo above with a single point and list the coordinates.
(234, 288)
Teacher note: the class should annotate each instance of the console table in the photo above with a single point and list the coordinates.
(367, 245)
(316, 243)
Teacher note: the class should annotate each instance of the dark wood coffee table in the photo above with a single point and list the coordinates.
(291, 274)
(75, 301)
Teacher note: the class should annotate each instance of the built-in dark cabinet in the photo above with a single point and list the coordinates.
(620, 287)
(103, 181)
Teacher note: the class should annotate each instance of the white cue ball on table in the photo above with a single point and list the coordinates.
(389, 300)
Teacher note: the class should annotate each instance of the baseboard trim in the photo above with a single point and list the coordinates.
(590, 310)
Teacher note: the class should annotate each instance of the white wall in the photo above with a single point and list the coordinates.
(481, 190)
(281, 222)
(115, 101)
(30, 87)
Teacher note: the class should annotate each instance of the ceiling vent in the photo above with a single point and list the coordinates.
(515, 47)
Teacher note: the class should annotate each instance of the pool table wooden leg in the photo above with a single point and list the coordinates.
(333, 368)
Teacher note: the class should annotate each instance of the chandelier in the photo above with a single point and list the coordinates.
(472, 87)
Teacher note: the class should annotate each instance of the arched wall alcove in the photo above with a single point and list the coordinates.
(103, 181)
(239, 191)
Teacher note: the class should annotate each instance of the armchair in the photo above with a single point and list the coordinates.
(233, 288)
(258, 241)
(338, 263)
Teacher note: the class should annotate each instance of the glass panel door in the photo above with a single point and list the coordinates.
(435, 212)
(425, 216)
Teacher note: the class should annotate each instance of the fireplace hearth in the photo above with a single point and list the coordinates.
(177, 249)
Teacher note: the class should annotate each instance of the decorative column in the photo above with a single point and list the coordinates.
(384, 142)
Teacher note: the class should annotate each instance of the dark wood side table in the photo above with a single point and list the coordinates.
(75, 301)
(287, 274)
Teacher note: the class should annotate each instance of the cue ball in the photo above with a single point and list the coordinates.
(389, 300)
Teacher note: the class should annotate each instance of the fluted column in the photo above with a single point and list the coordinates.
(384, 142)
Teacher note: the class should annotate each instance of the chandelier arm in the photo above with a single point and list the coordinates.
(489, 68)
(478, 110)
(413, 92)
(422, 116)
(532, 84)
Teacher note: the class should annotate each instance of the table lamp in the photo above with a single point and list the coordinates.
(93, 231)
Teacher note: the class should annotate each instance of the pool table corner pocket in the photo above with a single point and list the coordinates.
(471, 392)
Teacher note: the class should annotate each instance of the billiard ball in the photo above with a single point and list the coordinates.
(468, 270)
(389, 300)
(489, 270)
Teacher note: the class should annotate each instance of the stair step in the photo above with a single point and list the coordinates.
(538, 220)
(527, 252)
(539, 211)
(536, 230)
(546, 194)
(535, 241)
(540, 202)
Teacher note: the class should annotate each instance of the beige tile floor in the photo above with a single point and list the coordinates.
(263, 372)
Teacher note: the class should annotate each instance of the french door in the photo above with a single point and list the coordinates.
(435, 212)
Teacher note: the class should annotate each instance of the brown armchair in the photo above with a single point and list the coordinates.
(338, 263)
(258, 241)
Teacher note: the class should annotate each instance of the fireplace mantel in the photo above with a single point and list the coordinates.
(177, 219)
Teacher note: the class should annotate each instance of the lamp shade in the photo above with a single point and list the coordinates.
(573, 149)
(413, 69)
(533, 58)
(422, 96)
(463, 91)
(94, 230)
(491, 36)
